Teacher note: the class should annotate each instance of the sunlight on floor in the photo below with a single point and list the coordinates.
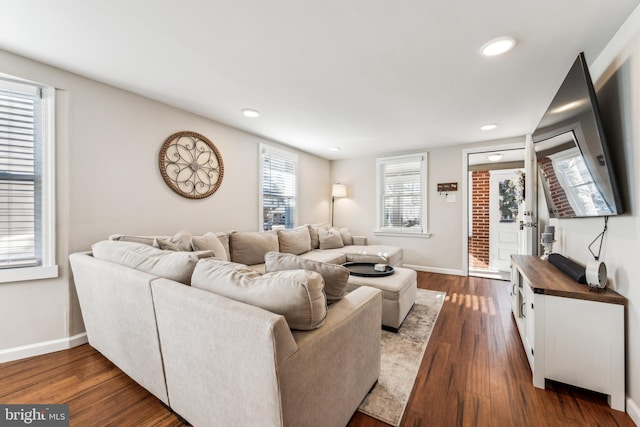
(473, 302)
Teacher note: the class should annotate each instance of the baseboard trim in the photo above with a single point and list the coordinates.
(633, 410)
(434, 269)
(37, 349)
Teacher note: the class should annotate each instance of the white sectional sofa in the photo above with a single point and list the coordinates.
(218, 361)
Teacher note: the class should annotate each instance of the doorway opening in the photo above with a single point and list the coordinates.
(496, 206)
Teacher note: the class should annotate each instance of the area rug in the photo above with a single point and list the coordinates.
(402, 354)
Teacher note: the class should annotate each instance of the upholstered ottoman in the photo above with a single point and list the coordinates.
(398, 294)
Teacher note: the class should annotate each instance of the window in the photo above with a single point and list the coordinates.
(575, 179)
(402, 194)
(278, 188)
(27, 224)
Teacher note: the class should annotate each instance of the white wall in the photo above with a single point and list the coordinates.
(108, 182)
(617, 75)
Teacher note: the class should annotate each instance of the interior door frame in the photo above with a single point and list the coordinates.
(465, 187)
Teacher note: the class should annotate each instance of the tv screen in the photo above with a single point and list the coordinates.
(572, 154)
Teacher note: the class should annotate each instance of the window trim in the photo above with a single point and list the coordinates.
(396, 231)
(47, 231)
(265, 148)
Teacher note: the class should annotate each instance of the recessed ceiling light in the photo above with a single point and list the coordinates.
(494, 157)
(334, 149)
(248, 112)
(489, 126)
(498, 46)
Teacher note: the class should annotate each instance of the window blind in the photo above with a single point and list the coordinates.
(19, 177)
(279, 179)
(402, 191)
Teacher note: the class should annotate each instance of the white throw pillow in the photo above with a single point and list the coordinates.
(298, 295)
(335, 276)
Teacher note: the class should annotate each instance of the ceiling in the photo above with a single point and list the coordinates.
(368, 76)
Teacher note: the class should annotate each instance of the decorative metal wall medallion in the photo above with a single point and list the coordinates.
(191, 165)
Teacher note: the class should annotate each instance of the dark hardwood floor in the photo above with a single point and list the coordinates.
(474, 373)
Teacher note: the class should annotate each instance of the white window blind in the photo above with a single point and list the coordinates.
(402, 193)
(279, 177)
(20, 178)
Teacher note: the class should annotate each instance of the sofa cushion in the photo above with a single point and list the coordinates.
(335, 276)
(330, 239)
(294, 241)
(210, 242)
(250, 247)
(332, 256)
(172, 265)
(296, 294)
(313, 233)
(181, 241)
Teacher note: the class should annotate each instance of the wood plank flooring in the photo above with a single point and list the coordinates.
(474, 373)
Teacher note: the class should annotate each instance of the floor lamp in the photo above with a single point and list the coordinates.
(338, 190)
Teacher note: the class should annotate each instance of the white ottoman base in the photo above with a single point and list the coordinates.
(398, 294)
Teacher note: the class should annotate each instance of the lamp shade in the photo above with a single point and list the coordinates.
(339, 190)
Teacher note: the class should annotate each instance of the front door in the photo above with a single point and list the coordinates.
(505, 197)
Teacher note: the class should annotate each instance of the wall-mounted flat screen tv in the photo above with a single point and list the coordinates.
(572, 153)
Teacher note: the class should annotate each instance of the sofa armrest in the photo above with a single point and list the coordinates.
(360, 240)
(336, 364)
(219, 355)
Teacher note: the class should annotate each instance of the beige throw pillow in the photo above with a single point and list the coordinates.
(249, 247)
(297, 294)
(295, 241)
(181, 241)
(172, 265)
(335, 276)
(147, 240)
(210, 242)
(313, 233)
(330, 239)
(347, 238)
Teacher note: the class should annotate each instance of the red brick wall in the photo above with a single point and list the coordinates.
(558, 196)
(479, 239)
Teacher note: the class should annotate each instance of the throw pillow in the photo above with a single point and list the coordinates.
(147, 240)
(249, 247)
(172, 265)
(297, 294)
(335, 276)
(330, 239)
(295, 241)
(210, 242)
(347, 239)
(313, 233)
(181, 241)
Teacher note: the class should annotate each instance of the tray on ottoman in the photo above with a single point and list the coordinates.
(366, 269)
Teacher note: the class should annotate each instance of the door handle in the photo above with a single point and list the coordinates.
(528, 225)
